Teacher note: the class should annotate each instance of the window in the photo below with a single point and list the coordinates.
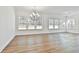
(21, 23)
(54, 23)
(32, 22)
(26, 23)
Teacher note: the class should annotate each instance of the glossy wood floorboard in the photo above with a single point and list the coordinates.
(32, 44)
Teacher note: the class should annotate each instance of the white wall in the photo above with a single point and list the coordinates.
(7, 26)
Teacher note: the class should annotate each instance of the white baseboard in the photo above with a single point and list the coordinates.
(7, 43)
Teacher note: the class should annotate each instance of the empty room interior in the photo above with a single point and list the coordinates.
(39, 29)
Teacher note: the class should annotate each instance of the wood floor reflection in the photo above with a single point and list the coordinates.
(32, 44)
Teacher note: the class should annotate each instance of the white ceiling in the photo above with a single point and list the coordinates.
(49, 9)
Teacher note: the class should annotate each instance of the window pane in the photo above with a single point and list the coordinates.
(22, 27)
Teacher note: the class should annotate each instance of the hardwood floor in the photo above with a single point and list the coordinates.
(32, 44)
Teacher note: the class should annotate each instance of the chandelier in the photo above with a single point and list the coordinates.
(35, 15)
